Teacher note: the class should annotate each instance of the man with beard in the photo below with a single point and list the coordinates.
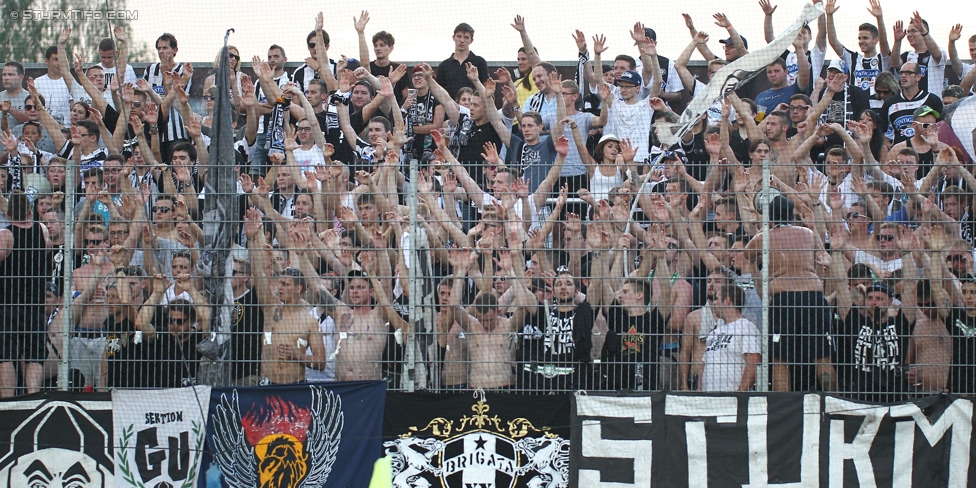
(872, 337)
(558, 359)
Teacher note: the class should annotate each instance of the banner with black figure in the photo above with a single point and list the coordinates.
(296, 436)
(782, 439)
(159, 436)
(483, 441)
(57, 439)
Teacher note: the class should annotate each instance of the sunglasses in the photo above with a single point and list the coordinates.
(209, 97)
(93, 242)
(925, 125)
(30, 107)
(886, 237)
(857, 215)
(234, 56)
(955, 257)
(136, 104)
(162, 209)
(906, 72)
(311, 45)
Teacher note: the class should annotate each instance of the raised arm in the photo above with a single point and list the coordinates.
(930, 43)
(702, 48)
(830, 6)
(530, 50)
(954, 36)
(360, 26)
(768, 20)
(681, 64)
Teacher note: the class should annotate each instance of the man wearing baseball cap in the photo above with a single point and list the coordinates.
(896, 114)
(924, 139)
(847, 101)
(631, 118)
(871, 342)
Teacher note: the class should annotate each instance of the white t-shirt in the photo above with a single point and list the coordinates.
(876, 262)
(130, 74)
(724, 354)
(633, 122)
(57, 100)
(307, 160)
(328, 336)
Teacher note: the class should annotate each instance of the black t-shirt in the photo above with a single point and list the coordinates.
(632, 341)
(962, 329)
(871, 356)
(452, 76)
(247, 326)
(561, 338)
(125, 360)
(402, 84)
(469, 154)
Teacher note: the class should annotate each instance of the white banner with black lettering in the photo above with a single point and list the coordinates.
(756, 440)
(159, 435)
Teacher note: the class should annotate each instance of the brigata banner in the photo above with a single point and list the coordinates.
(159, 436)
(482, 441)
(56, 439)
(296, 436)
(753, 439)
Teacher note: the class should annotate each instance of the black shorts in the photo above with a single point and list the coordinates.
(24, 335)
(799, 326)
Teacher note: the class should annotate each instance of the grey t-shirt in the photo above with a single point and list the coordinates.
(573, 166)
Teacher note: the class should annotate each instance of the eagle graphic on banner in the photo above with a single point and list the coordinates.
(479, 450)
(279, 444)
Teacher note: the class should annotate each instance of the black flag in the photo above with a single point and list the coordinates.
(219, 227)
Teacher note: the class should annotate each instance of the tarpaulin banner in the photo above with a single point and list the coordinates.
(159, 436)
(755, 439)
(466, 441)
(56, 439)
(316, 435)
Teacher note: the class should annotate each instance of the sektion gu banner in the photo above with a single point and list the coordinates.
(54, 440)
(294, 436)
(752, 439)
(483, 441)
(159, 436)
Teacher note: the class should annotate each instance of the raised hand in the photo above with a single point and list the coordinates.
(65, 35)
(599, 44)
(503, 76)
(690, 24)
(580, 41)
(562, 146)
(898, 31)
(360, 23)
(766, 7)
(955, 33)
(917, 22)
(722, 21)
(628, 150)
(119, 34)
(491, 153)
(472, 71)
(519, 23)
(830, 7)
(875, 8)
(637, 33)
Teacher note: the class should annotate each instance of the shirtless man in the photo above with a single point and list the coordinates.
(289, 329)
(698, 324)
(489, 334)
(451, 338)
(799, 316)
(361, 328)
